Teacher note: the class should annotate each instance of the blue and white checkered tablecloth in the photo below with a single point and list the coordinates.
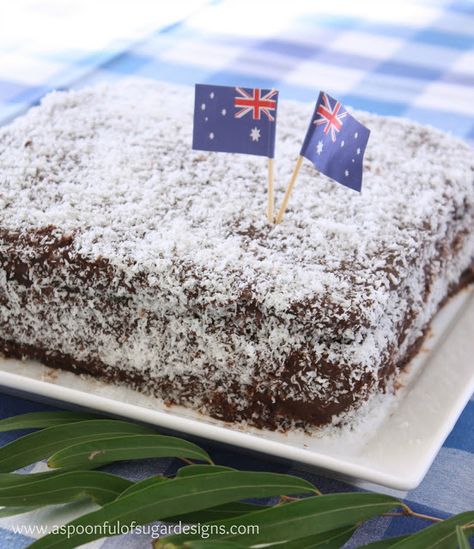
(406, 58)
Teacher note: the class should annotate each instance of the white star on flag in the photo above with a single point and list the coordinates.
(255, 134)
(319, 148)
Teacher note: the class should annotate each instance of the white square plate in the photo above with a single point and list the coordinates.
(393, 446)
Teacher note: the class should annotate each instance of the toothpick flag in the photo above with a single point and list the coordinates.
(335, 143)
(237, 120)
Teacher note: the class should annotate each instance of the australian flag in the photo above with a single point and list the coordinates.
(236, 120)
(335, 142)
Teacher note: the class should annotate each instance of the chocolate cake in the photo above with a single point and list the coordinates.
(127, 256)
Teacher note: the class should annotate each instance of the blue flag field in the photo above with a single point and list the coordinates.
(335, 142)
(235, 120)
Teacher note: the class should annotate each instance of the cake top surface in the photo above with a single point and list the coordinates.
(113, 166)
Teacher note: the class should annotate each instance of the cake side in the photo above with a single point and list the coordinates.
(308, 388)
(125, 255)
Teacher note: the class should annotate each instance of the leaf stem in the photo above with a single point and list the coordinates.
(189, 462)
(286, 499)
(408, 512)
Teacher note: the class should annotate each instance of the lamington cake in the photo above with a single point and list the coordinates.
(126, 256)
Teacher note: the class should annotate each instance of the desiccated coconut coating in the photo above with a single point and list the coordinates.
(125, 254)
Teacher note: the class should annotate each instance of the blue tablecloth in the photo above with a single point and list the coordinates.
(408, 58)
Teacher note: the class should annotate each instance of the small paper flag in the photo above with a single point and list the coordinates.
(335, 142)
(235, 120)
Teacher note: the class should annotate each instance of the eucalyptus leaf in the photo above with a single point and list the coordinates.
(138, 486)
(62, 488)
(179, 495)
(15, 479)
(441, 535)
(40, 420)
(207, 544)
(190, 470)
(298, 519)
(42, 444)
(334, 539)
(200, 493)
(94, 453)
(233, 509)
(462, 540)
(221, 512)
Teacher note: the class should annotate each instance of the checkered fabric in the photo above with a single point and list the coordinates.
(407, 58)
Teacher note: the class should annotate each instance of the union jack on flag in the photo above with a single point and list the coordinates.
(256, 103)
(335, 142)
(330, 117)
(238, 120)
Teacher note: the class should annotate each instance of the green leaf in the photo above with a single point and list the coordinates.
(441, 535)
(94, 453)
(334, 539)
(221, 512)
(190, 470)
(468, 530)
(28, 491)
(137, 486)
(42, 444)
(14, 479)
(179, 495)
(462, 540)
(303, 518)
(39, 420)
(207, 544)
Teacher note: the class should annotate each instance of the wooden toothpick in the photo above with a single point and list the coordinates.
(271, 195)
(281, 211)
